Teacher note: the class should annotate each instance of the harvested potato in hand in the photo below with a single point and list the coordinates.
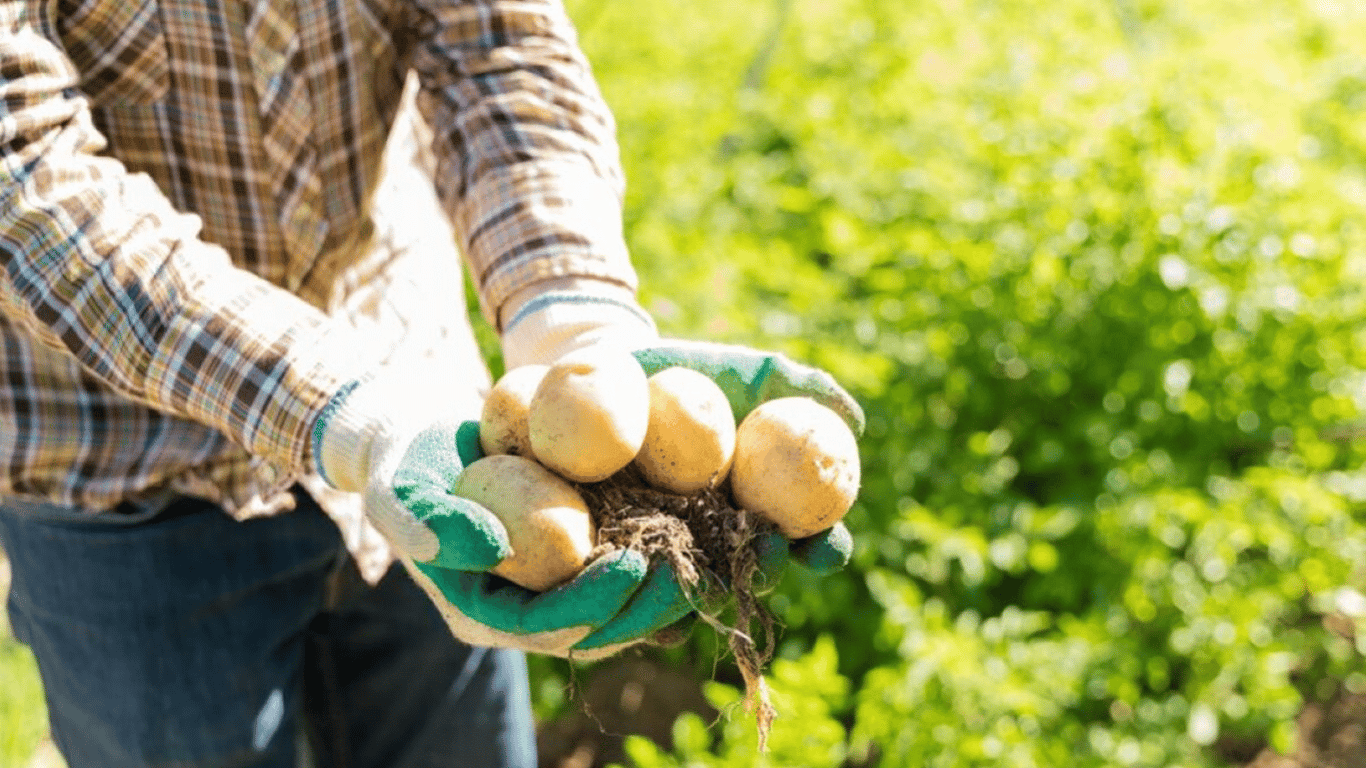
(658, 466)
(797, 465)
(549, 527)
(503, 424)
(589, 415)
(691, 437)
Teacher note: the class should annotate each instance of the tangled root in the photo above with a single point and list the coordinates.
(712, 549)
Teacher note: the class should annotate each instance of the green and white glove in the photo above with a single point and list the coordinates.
(557, 322)
(750, 377)
(394, 440)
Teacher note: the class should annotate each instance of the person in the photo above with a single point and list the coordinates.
(239, 379)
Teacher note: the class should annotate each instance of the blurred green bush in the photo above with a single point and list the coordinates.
(1094, 270)
(23, 715)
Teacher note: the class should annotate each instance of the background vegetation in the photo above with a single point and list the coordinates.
(1094, 269)
(23, 718)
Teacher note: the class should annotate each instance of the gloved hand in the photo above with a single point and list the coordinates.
(401, 448)
(556, 322)
(750, 377)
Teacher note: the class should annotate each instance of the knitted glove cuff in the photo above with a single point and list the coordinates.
(555, 323)
(343, 437)
(380, 404)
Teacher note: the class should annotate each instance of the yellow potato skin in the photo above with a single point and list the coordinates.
(796, 464)
(690, 442)
(547, 521)
(503, 426)
(590, 413)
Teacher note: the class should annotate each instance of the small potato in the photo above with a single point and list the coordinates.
(796, 464)
(548, 524)
(589, 415)
(503, 424)
(690, 441)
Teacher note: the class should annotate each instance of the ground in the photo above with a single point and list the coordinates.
(1332, 736)
(625, 695)
(636, 695)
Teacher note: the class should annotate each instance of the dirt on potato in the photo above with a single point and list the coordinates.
(712, 548)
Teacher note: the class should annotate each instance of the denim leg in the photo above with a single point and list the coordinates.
(390, 688)
(175, 640)
(186, 638)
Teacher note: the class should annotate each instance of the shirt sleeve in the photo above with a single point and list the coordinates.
(528, 167)
(98, 263)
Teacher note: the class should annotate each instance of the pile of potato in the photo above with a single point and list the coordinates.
(593, 413)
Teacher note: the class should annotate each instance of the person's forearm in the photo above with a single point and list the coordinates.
(528, 164)
(97, 263)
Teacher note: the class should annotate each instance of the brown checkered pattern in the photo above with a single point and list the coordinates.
(186, 219)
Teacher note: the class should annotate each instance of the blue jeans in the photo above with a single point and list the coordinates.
(174, 635)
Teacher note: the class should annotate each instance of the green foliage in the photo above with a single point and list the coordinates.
(1094, 270)
(808, 691)
(1205, 609)
(21, 701)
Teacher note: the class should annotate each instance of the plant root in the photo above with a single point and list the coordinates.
(712, 548)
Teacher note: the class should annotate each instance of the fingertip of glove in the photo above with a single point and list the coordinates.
(771, 551)
(618, 564)
(470, 559)
(469, 542)
(658, 603)
(825, 552)
(770, 546)
(467, 443)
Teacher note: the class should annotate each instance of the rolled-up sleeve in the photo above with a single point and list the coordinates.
(99, 264)
(528, 166)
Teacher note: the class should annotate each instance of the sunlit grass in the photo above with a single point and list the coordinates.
(23, 716)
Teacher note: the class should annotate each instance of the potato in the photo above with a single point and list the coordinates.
(589, 415)
(690, 441)
(503, 424)
(796, 464)
(548, 523)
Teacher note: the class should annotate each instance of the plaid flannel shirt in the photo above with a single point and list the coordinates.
(193, 260)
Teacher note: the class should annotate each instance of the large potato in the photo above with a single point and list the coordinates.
(503, 424)
(796, 464)
(548, 523)
(691, 436)
(589, 415)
